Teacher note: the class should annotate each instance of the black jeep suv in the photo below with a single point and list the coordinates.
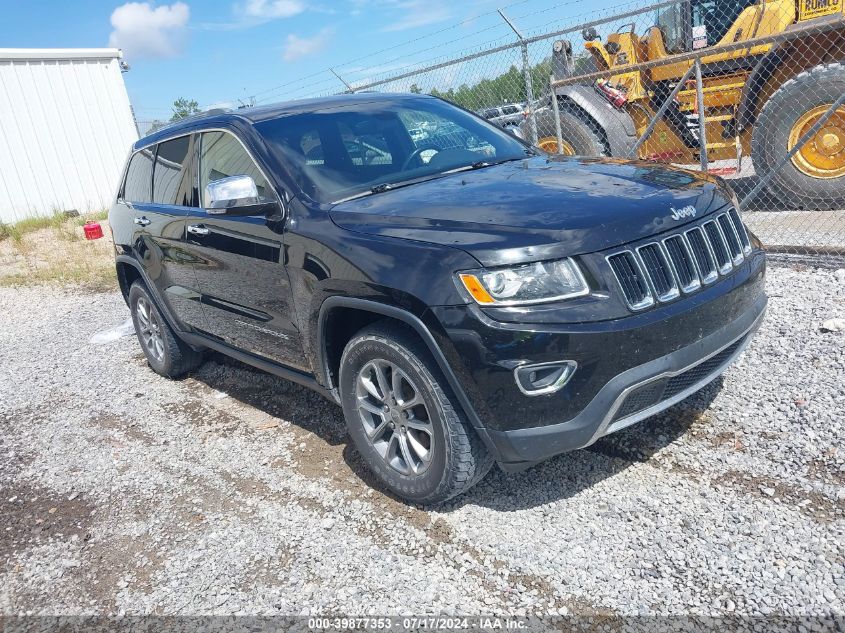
(463, 296)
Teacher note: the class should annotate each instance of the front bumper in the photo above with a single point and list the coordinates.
(628, 369)
(633, 395)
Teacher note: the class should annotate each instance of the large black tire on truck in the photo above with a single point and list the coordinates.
(582, 136)
(815, 176)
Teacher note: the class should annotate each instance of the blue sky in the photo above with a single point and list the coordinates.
(220, 51)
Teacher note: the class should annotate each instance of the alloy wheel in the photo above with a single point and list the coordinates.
(150, 329)
(549, 144)
(823, 155)
(394, 416)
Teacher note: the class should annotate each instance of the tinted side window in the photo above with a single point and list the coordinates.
(221, 156)
(510, 110)
(172, 180)
(138, 177)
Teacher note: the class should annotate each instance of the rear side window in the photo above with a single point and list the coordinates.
(490, 114)
(139, 177)
(221, 156)
(173, 182)
(510, 110)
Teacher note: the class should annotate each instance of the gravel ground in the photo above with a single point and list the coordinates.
(232, 491)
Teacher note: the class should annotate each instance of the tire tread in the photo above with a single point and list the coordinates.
(764, 151)
(469, 461)
(181, 357)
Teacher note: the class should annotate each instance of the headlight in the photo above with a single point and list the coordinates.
(527, 283)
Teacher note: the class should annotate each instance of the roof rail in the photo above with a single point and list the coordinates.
(188, 119)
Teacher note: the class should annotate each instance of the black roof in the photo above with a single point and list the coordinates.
(272, 111)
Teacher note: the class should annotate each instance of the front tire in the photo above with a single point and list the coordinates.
(815, 177)
(581, 136)
(166, 353)
(403, 419)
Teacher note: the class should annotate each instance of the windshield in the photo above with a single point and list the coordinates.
(347, 150)
(671, 23)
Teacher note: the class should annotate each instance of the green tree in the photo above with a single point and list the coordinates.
(155, 126)
(183, 108)
(415, 89)
(509, 87)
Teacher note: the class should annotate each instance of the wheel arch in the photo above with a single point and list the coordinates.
(130, 270)
(127, 273)
(617, 125)
(357, 313)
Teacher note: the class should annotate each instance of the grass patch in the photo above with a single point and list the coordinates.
(93, 278)
(58, 220)
(53, 250)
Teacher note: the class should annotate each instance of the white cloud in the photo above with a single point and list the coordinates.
(272, 9)
(418, 13)
(142, 30)
(251, 13)
(407, 14)
(296, 46)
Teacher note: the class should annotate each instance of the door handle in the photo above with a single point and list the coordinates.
(197, 229)
(142, 221)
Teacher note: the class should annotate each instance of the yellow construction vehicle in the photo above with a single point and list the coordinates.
(758, 100)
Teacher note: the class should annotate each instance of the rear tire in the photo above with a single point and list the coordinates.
(166, 353)
(805, 181)
(404, 420)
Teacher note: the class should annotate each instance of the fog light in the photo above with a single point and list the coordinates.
(544, 378)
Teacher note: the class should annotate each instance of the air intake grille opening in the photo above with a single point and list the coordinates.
(657, 269)
(731, 237)
(658, 391)
(685, 380)
(740, 230)
(720, 249)
(682, 262)
(703, 258)
(633, 285)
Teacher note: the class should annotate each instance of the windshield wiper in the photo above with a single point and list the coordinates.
(385, 186)
(481, 164)
(388, 186)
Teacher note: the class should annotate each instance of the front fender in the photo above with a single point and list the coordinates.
(617, 124)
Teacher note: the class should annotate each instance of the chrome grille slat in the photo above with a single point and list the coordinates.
(682, 262)
(631, 279)
(703, 254)
(731, 238)
(741, 231)
(718, 246)
(658, 271)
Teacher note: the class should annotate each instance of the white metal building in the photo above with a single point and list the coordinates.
(65, 130)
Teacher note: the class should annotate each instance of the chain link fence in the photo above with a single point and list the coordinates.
(750, 91)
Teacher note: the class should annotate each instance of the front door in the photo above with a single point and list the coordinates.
(239, 262)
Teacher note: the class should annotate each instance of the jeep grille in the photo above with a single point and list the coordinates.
(681, 263)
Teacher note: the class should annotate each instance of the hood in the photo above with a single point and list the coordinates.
(538, 208)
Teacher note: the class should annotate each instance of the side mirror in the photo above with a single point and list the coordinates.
(236, 195)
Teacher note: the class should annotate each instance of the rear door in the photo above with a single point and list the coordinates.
(158, 233)
(174, 196)
(239, 261)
